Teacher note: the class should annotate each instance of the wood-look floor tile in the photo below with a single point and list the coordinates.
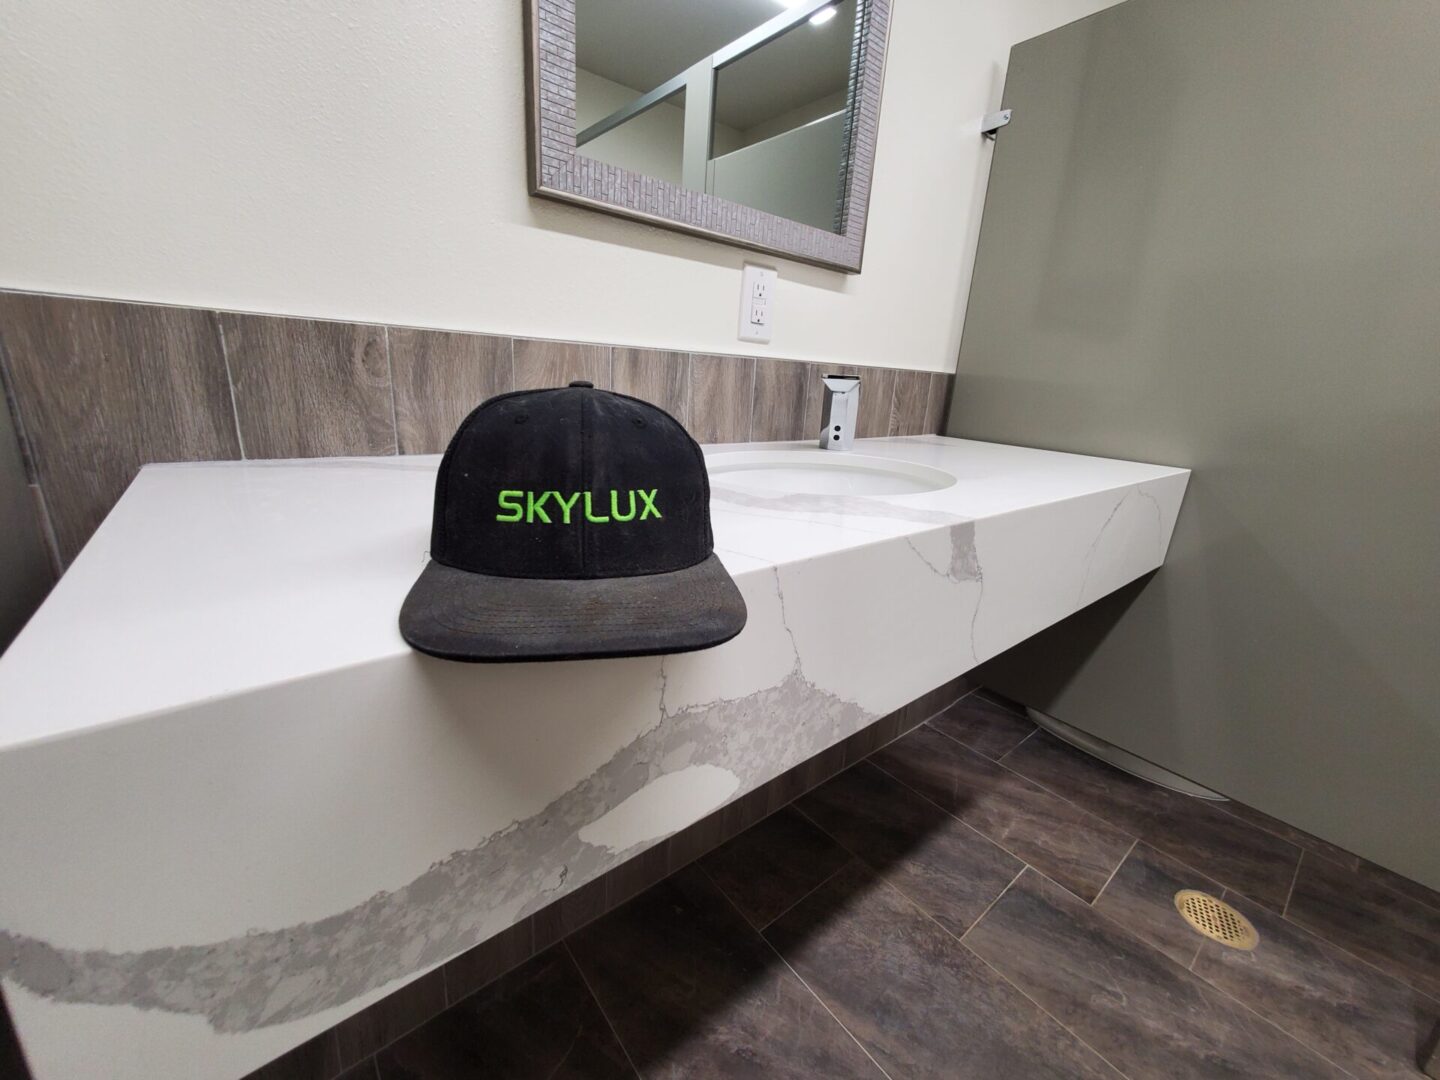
(439, 378)
(380, 1024)
(947, 868)
(912, 398)
(103, 388)
(722, 389)
(1395, 933)
(769, 867)
(1075, 848)
(563, 917)
(918, 1000)
(661, 378)
(1299, 837)
(479, 966)
(781, 400)
(984, 725)
(536, 1023)
(694, 992)
(1143, 1012)
(305, 388)
(540, 364)
(1396, 882)
(637, 873)
(1141, 898)
(1235, 853)
(936, 701)
(314, 1059)
(1364, 1021)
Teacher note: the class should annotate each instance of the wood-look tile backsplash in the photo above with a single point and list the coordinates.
(101, 387)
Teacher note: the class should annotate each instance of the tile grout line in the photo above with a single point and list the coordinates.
(1001, 759)
(47, 530)
(1123, 860)
(1018, 989)
(754, 389)
(394, 411)
(798, 977)
(1316, 935)
(564, 943)
(1346, 951)
(1219, 990)
(685, 380)
(230, 383)
(879, 873)
(970, 749)
(1199, 948)
(12, 404)
(374, 1054)
(1148, 841)
(981, 917)
(838, 1022)
(1046, 1013)
(1222, 805)
(851, 856)
(1224, 994)
(30, 466)
(977, 832)
(1266, 1020)
(690, 392)
(1290, 892)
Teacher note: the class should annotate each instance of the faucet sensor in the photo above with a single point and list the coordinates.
(841, 408)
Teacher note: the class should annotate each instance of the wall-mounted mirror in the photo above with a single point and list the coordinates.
(748, 121)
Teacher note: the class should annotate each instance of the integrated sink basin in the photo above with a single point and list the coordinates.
(807, 471)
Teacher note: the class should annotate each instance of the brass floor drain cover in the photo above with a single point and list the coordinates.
(1216, 919)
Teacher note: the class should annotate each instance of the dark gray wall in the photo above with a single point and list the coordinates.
(25, 574)
(1212, 239)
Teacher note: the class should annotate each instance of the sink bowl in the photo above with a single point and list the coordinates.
(822, 472)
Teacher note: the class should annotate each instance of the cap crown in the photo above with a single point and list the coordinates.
(571, 483)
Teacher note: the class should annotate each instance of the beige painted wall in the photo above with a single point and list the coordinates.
(368, 163)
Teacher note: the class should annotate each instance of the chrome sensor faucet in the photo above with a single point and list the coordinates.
(841, 409)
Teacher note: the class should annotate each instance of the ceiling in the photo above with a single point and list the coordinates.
(641, 43)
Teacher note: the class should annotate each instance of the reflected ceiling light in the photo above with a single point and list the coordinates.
(820, 17)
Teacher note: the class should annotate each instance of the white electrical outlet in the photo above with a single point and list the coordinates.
(757, 302)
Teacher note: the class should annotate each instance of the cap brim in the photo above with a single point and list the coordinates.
(457, 615)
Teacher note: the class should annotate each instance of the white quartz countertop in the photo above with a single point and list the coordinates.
(236, 809)
(213, 578)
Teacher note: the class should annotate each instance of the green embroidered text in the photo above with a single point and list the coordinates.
(530, 506)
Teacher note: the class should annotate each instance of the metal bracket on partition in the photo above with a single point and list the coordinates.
(993, 123)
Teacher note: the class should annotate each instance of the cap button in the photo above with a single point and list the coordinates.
(586, 383)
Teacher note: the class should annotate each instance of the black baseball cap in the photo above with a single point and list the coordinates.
(570, 523)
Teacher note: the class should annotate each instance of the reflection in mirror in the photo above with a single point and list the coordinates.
(749, 100)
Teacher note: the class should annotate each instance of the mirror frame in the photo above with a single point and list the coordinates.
(558, 171)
